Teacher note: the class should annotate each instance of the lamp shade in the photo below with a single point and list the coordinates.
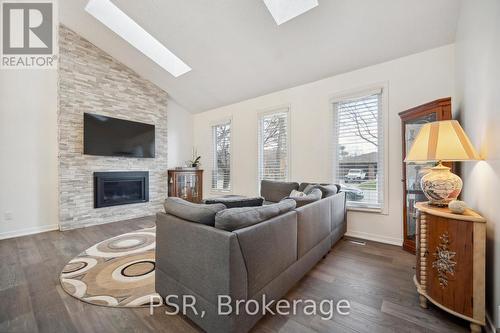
(442, 141)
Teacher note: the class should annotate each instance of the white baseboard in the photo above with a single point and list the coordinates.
(28, 231)
(375, 238)
(490, 326)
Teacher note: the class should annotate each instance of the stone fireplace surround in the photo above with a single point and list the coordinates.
(92, 81)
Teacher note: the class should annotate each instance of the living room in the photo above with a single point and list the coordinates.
(334, 158)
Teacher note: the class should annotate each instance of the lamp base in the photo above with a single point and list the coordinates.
(441, 186)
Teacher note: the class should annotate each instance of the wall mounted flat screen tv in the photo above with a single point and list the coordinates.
(106, 136)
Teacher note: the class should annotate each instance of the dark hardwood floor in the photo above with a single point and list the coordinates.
(376, 279)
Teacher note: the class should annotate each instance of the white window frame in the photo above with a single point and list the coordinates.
(359, 92)
(218, 122)
(284, 108)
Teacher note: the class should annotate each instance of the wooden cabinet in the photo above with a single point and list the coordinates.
(450, 265)
(411, 121)
(186, 184)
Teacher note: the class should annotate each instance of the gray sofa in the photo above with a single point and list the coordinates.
(267, 257)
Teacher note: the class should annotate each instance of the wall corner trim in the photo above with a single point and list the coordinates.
(490, 326)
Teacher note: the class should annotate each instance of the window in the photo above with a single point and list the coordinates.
(273, 145)
(221, 156)
(359, 149)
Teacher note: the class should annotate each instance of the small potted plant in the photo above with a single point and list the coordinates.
(195, 161)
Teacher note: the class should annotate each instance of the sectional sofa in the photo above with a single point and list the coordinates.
(244, 253)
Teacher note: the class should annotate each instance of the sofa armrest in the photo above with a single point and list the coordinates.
(204, 260)
(339, 215)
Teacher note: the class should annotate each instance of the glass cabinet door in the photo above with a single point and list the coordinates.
(414, 173)
(187, 186)
(192, 184)
(412, 121)
(181, 189)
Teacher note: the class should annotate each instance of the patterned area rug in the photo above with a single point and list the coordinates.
(117, 272)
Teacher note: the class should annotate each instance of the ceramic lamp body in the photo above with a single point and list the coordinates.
(441, 186)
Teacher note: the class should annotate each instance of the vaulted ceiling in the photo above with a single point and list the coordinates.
(237, 51)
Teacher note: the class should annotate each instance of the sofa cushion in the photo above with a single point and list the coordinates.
(275, 191)
(237, 218)
(313, 195)
(326, 189)
(234, 201)
(314, 224)
(199, 213)
(268, 249)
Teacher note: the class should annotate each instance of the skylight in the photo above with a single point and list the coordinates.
(119, 22)
(285, 10)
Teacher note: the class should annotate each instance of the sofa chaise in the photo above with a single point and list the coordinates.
(207, 250)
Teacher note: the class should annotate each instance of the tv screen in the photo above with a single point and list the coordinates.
(106, 136)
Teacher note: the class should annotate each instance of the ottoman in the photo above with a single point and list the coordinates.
(234, 201)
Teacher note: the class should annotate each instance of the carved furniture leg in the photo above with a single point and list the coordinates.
(475, 328)
(423, 301)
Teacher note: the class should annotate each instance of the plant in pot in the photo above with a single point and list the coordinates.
(195, 161)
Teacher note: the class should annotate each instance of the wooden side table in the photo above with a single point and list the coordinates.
(450, 265)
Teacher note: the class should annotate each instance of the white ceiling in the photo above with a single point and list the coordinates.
(237, 51)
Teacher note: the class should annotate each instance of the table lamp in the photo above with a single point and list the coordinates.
(441, 141)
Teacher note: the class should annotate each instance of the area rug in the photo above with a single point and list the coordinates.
(117, 272)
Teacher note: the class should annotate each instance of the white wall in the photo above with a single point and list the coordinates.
(412, 81)
(477, 104)
(180, 134)
(28, 151)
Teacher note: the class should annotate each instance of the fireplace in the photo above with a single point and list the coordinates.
(120, 188)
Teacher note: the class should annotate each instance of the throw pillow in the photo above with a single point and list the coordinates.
(314, 195)
(296, 194)
(326, 189)
(309, 188)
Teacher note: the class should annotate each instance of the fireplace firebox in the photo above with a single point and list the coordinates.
(120, 188)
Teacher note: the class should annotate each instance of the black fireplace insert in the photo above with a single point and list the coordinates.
(120, 188)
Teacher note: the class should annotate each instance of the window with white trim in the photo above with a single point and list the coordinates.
(273, 146)
(359, 161)
(221, 156)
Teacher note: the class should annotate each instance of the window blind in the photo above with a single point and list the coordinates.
(273, 146)
(221, 156)
(359, 149)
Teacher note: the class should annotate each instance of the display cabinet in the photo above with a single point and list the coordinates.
(411, 122)
(186, 184)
